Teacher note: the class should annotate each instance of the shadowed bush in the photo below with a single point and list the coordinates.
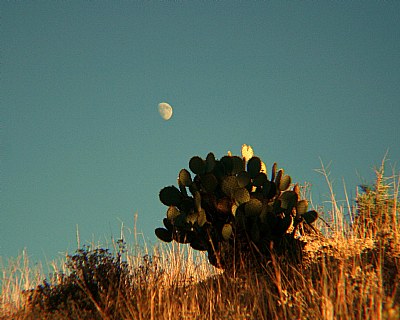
(94, 285)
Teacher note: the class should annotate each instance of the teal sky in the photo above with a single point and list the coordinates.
(82, 142)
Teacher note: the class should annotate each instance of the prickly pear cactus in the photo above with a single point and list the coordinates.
(229, 206)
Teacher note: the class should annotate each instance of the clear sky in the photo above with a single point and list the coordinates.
(82, 142)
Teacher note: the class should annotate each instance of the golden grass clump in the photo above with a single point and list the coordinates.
(349, 271)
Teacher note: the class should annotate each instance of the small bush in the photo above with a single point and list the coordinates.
(377, 210)
(96, 279)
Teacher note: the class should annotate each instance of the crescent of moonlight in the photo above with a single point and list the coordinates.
(165, 110)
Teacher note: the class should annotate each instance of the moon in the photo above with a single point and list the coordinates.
(165, 110)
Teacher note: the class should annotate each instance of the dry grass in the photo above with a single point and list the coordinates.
(350, 273)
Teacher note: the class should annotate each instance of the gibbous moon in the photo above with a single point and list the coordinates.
(165, 110)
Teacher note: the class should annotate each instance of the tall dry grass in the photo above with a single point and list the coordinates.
(351, 272)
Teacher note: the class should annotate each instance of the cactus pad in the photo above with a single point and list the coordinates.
(284, 182)
(184, 178)
(209, 182)
(253, 166)
(310, 216)
(260, 179)
(279, 176)
(210, 162)
(164, 234)
(243, 179)
(171, 196)
(229, 185)
(247, 152)
(237, 165)
(241, 196)
(172, 213)
(253, 207)
(197, 165)
(274, 171)
(226, 231)
(288, 199)
(302, 206)
(202, 218)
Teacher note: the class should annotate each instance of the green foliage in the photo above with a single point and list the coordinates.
(96, 276)
(377, 206)
(231, 207)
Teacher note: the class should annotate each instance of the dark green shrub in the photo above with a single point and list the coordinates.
(96, 279)
(233, 210)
